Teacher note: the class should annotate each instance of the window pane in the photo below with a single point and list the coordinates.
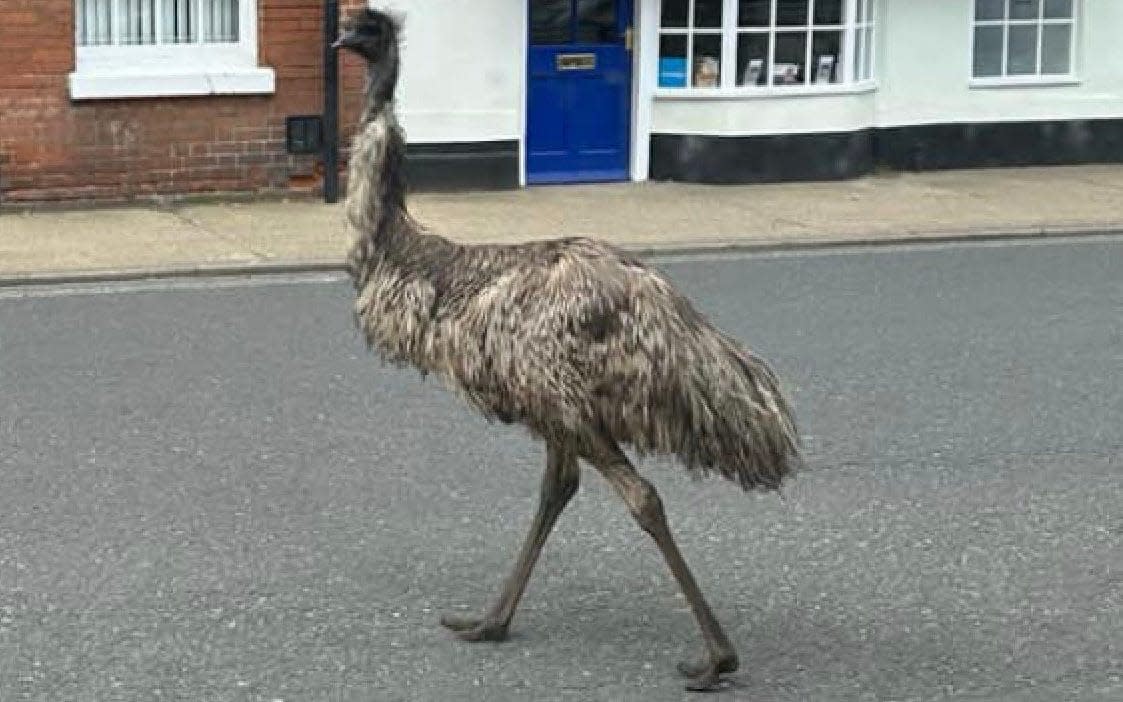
(596, 21)
(219, 19)
(1055, 9)
(672, 61)
(752, 59)
(179, 22)
(989, 9)
(1025, 9)
(707, 13)
(92, 22)
(1021, 58)
(753, 13)
(675, 13)
(826, 47)
(136, 22)
(791, 53)
(550, 21)
(867, 54)
(707, 60)
(828, 11)
(791, 12)
(988, 51)
(1056, 49)
(860, 39)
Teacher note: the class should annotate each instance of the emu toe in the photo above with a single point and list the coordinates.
(475, 628)
(705, 675)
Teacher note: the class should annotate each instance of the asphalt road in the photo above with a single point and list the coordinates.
(210, 491)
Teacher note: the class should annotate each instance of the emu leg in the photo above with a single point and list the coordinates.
(559, 483)
(647, 507)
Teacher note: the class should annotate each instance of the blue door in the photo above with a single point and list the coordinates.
(579, 91)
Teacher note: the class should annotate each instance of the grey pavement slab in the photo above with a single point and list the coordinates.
(260, 234)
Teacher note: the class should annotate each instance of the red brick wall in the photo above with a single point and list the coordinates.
(55, 149)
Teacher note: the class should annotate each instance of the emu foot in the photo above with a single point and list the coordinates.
(705, 675)
(475, 628)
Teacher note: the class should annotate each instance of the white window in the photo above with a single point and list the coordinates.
(152, 48)
(1019, 40)
(760, 44)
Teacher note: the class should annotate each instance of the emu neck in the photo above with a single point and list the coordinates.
(376, 181)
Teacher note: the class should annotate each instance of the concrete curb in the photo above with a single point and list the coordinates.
(931, 238)
(700, 246)
(203, 270)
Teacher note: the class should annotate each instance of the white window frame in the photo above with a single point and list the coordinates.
(1035, 79)
(730, 32)
(167, 70)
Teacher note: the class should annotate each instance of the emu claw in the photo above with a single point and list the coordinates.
(475, 628)
(705, 675)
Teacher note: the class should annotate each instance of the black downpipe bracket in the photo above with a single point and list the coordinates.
(331, 102)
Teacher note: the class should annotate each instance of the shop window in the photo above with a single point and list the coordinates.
(142, 48)
(1023, 39)
(714, 44)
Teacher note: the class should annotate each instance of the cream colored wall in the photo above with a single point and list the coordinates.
(924, 68)
(463, 67)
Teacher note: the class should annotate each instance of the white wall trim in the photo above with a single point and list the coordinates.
(996, 119)
(771, 132)
(645, 75)
(1024, 82)
(807, 91)
(92, 86)
(524, 88)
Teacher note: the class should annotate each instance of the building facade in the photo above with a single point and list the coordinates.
(124, 98)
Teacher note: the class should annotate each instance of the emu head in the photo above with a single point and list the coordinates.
(373, 35)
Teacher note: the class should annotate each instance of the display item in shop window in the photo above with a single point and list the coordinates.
(787, 74)
(754, 72)
(825, 71)
(707, 72)
(672, 72)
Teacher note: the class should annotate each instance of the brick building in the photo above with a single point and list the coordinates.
(120, 99)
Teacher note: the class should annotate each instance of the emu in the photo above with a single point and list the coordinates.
(582, 344)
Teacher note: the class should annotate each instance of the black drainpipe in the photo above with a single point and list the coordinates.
(331, 102)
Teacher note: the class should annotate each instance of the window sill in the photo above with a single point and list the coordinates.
(1024, 82)
(86, 85)
(866, 86)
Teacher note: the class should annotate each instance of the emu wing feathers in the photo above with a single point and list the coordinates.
(572, 335)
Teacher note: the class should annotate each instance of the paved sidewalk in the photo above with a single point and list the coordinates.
(265, 235)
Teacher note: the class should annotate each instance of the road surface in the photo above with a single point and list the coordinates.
(210, 491)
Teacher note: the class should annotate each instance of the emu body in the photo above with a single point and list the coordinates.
(582, 344)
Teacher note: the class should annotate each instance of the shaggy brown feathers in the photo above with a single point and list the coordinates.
(581, 343)
(567, 337)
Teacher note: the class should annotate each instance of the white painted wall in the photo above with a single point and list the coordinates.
(923, 76)
(463, 68)
(924, 68)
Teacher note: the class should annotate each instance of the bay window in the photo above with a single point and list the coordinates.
(752, 44)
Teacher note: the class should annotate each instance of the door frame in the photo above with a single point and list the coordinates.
(644, 31)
